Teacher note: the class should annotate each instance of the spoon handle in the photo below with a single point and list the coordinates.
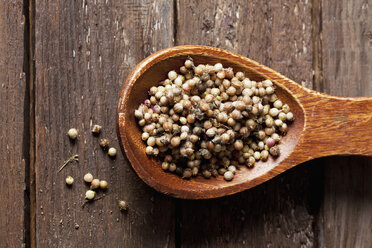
(337, 125)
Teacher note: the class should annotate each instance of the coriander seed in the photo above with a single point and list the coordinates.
(69, 180)
(94, 184)
(123, 205)
(104, 143)
(96, 129)
(228, 175)
(103, 184)
(72, 133)
(88, 178)
(90, 194)
(111, 152)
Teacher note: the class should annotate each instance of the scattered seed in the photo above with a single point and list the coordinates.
(88, 178)
(95, 184)
(103, 184)
(112, 152)
(104, 143)
(90, 194)
(72, 133)
(69, 180)
(96, 129)
(123, 205)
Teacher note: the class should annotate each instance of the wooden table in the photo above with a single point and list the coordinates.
(62, 64)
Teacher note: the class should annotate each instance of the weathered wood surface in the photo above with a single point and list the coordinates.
(277, 213)
(347, 62)
(84, 51)
(14, 123)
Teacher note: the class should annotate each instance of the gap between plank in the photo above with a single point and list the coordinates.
(29, 124)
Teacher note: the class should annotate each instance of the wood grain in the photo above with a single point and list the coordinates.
(83, 52)
(280, 212)
(347, 62)
(14, 123)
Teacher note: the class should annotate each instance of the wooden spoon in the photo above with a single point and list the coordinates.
(324, 125)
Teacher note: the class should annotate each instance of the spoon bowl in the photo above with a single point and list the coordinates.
(322, 124)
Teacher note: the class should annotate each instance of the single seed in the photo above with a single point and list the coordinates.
(275, 151)
(149, 150)
(69, 180)
(88, 178)
(123, 205)
(90, 194)
(232, 168)
(278, 104)
(72, 133)
(165, 165)
(290, 116)
(111, 152)
(103, 184)
(94, 184)
(228, 175)
(104, 143)
(96, 129)
(264, 155)
(257, 156)
(172, 75)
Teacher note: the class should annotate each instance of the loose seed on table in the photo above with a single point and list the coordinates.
(90, 194)
(112, 152)
(104, 143)
(69, 180)
(123, 205)
(88, 178)
(94, 184)
(96, 129)
(72, 133)
(103, 184)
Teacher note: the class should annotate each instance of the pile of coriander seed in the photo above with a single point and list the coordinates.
(209, 120)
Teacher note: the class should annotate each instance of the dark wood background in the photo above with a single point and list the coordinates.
(62, 64)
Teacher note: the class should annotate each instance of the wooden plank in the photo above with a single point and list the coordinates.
(14, 151)
(84, 50)
(347, 63)
(280, 212)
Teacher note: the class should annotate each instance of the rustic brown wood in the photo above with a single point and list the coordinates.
(322, 123)
(14, 153)
(347, 63)
(84, 51)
